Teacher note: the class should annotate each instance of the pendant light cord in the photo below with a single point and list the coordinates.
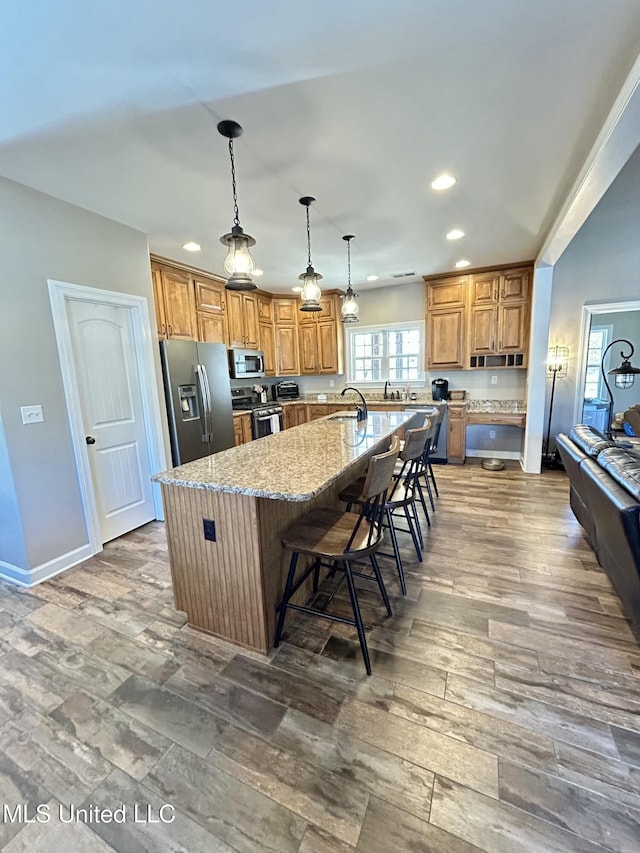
(236, 214)
(308, 239)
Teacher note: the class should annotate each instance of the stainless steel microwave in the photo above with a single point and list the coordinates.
(246, 363)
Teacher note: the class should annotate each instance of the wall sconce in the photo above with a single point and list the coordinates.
(557, 368)
(350, 309)
(624, 375)
(239, 263)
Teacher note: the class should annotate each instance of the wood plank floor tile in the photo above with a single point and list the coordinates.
(498, 827)
(570, 807)
(378, 772)
(628, 743)
(613, 779)
(428, 748)
(241, 817)
(57, 836)
(541, 717)
(70, 626)
(470, 644)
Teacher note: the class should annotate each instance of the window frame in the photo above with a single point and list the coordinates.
(608, 337)
(417, 325)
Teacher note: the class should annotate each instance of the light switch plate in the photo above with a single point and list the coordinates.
(494, 379)
(32, 414)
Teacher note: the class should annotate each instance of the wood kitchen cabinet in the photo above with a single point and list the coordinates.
(211, 310)
(294, 414)
(268, 347)
(446, 338)
(321, 338)
(243, 320)
(242, 429)
(174, 303)
(287, 358)
(456, 436)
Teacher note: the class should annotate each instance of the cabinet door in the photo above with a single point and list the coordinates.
(512, 327)
(482, 330)
(287, 363)
(515, 285)
(235, 319)
(238, 431)
(447, 293)
(328, 351)
(179, 304)
(307, 334)
(268, 347)
(210, 296)
(265, 308)
(247, 435)
(484, 288)
(329, 308)
(158, 301)
(212, 328)
(446, 338)
(286, 310)
(318, 410)
(456, 437)
(251, 321)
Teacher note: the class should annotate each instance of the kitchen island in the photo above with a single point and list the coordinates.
(225, 515)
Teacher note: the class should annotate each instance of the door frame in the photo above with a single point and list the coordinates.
(60, 293)
(588, 313)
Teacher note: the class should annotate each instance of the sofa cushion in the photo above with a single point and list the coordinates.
(624, 467)
(590, 440)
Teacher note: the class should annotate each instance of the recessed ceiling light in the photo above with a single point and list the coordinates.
(455, 234)
(372, 278)
(443, 182)
(192, 247)
(297, 289)
(258, 272)
(462, 263)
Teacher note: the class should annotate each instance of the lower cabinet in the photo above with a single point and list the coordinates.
(456, 437)
(242, 428)
(294, 414)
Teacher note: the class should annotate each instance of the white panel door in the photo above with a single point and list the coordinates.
(110, 398)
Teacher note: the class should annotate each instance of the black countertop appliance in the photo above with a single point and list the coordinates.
(440, 389)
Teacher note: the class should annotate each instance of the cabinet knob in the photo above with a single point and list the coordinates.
(170, 330)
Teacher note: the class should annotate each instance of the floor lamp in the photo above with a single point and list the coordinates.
(624, 376)
(557, 367)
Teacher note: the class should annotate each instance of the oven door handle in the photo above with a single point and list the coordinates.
(266, 417)
(201, 373)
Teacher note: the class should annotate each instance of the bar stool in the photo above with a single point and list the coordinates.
(336, 539)
(437, 420)
(402, 495)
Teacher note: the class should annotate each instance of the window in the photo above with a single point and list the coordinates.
(593, 385)
(386, 353)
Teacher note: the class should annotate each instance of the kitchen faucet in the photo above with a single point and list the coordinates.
(386, 385)
(361, 411)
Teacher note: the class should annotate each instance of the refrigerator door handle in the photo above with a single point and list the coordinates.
(205, 382)
(204, 393)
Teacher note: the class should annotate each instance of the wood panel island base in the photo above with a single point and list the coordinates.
(225, 515)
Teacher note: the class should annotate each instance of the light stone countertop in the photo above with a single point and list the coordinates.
(498, 407)
(293, 465)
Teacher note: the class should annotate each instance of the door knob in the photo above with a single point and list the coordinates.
(89, 439)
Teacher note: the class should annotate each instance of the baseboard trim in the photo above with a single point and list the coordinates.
(494, 454)
(32, 577)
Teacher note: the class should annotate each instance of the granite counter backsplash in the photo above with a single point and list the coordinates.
(497, 406)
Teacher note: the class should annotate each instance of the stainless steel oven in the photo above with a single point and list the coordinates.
(266, 420)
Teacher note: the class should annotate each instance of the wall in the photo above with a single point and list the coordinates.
(40, 238)
(627, 326)
(600, 265)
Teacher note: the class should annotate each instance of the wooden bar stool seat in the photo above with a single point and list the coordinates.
(336, 539)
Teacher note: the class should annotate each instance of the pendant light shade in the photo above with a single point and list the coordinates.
(310, 293)
(239, 263)
(350, 309)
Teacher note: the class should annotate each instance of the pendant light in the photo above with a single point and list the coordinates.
(624, 376)
(310, 293)
(238, 264)
(350, 309)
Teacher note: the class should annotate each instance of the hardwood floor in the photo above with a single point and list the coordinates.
(502, 713)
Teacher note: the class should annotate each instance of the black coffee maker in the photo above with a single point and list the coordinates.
(440, 389)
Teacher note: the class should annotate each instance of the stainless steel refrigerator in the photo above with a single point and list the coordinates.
(198, 396)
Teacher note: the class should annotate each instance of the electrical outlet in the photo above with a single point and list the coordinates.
(209, 527)
(492, 433)
(494, 379)
(32, 414)
(332, 382)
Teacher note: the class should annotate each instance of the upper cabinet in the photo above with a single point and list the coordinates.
(174, 303)
(244, 331)
(321, 338)
(286, 335)
(480, 320)
(211, 311)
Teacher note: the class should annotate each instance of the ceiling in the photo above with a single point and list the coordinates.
(114, 107)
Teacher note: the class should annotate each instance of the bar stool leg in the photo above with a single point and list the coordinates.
(423, 502)
(416, 543)
(316, 574)
(357, 616)
(396, 550)
(383, 589)
(286, 596)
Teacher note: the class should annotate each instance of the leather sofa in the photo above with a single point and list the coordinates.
(604, 494)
